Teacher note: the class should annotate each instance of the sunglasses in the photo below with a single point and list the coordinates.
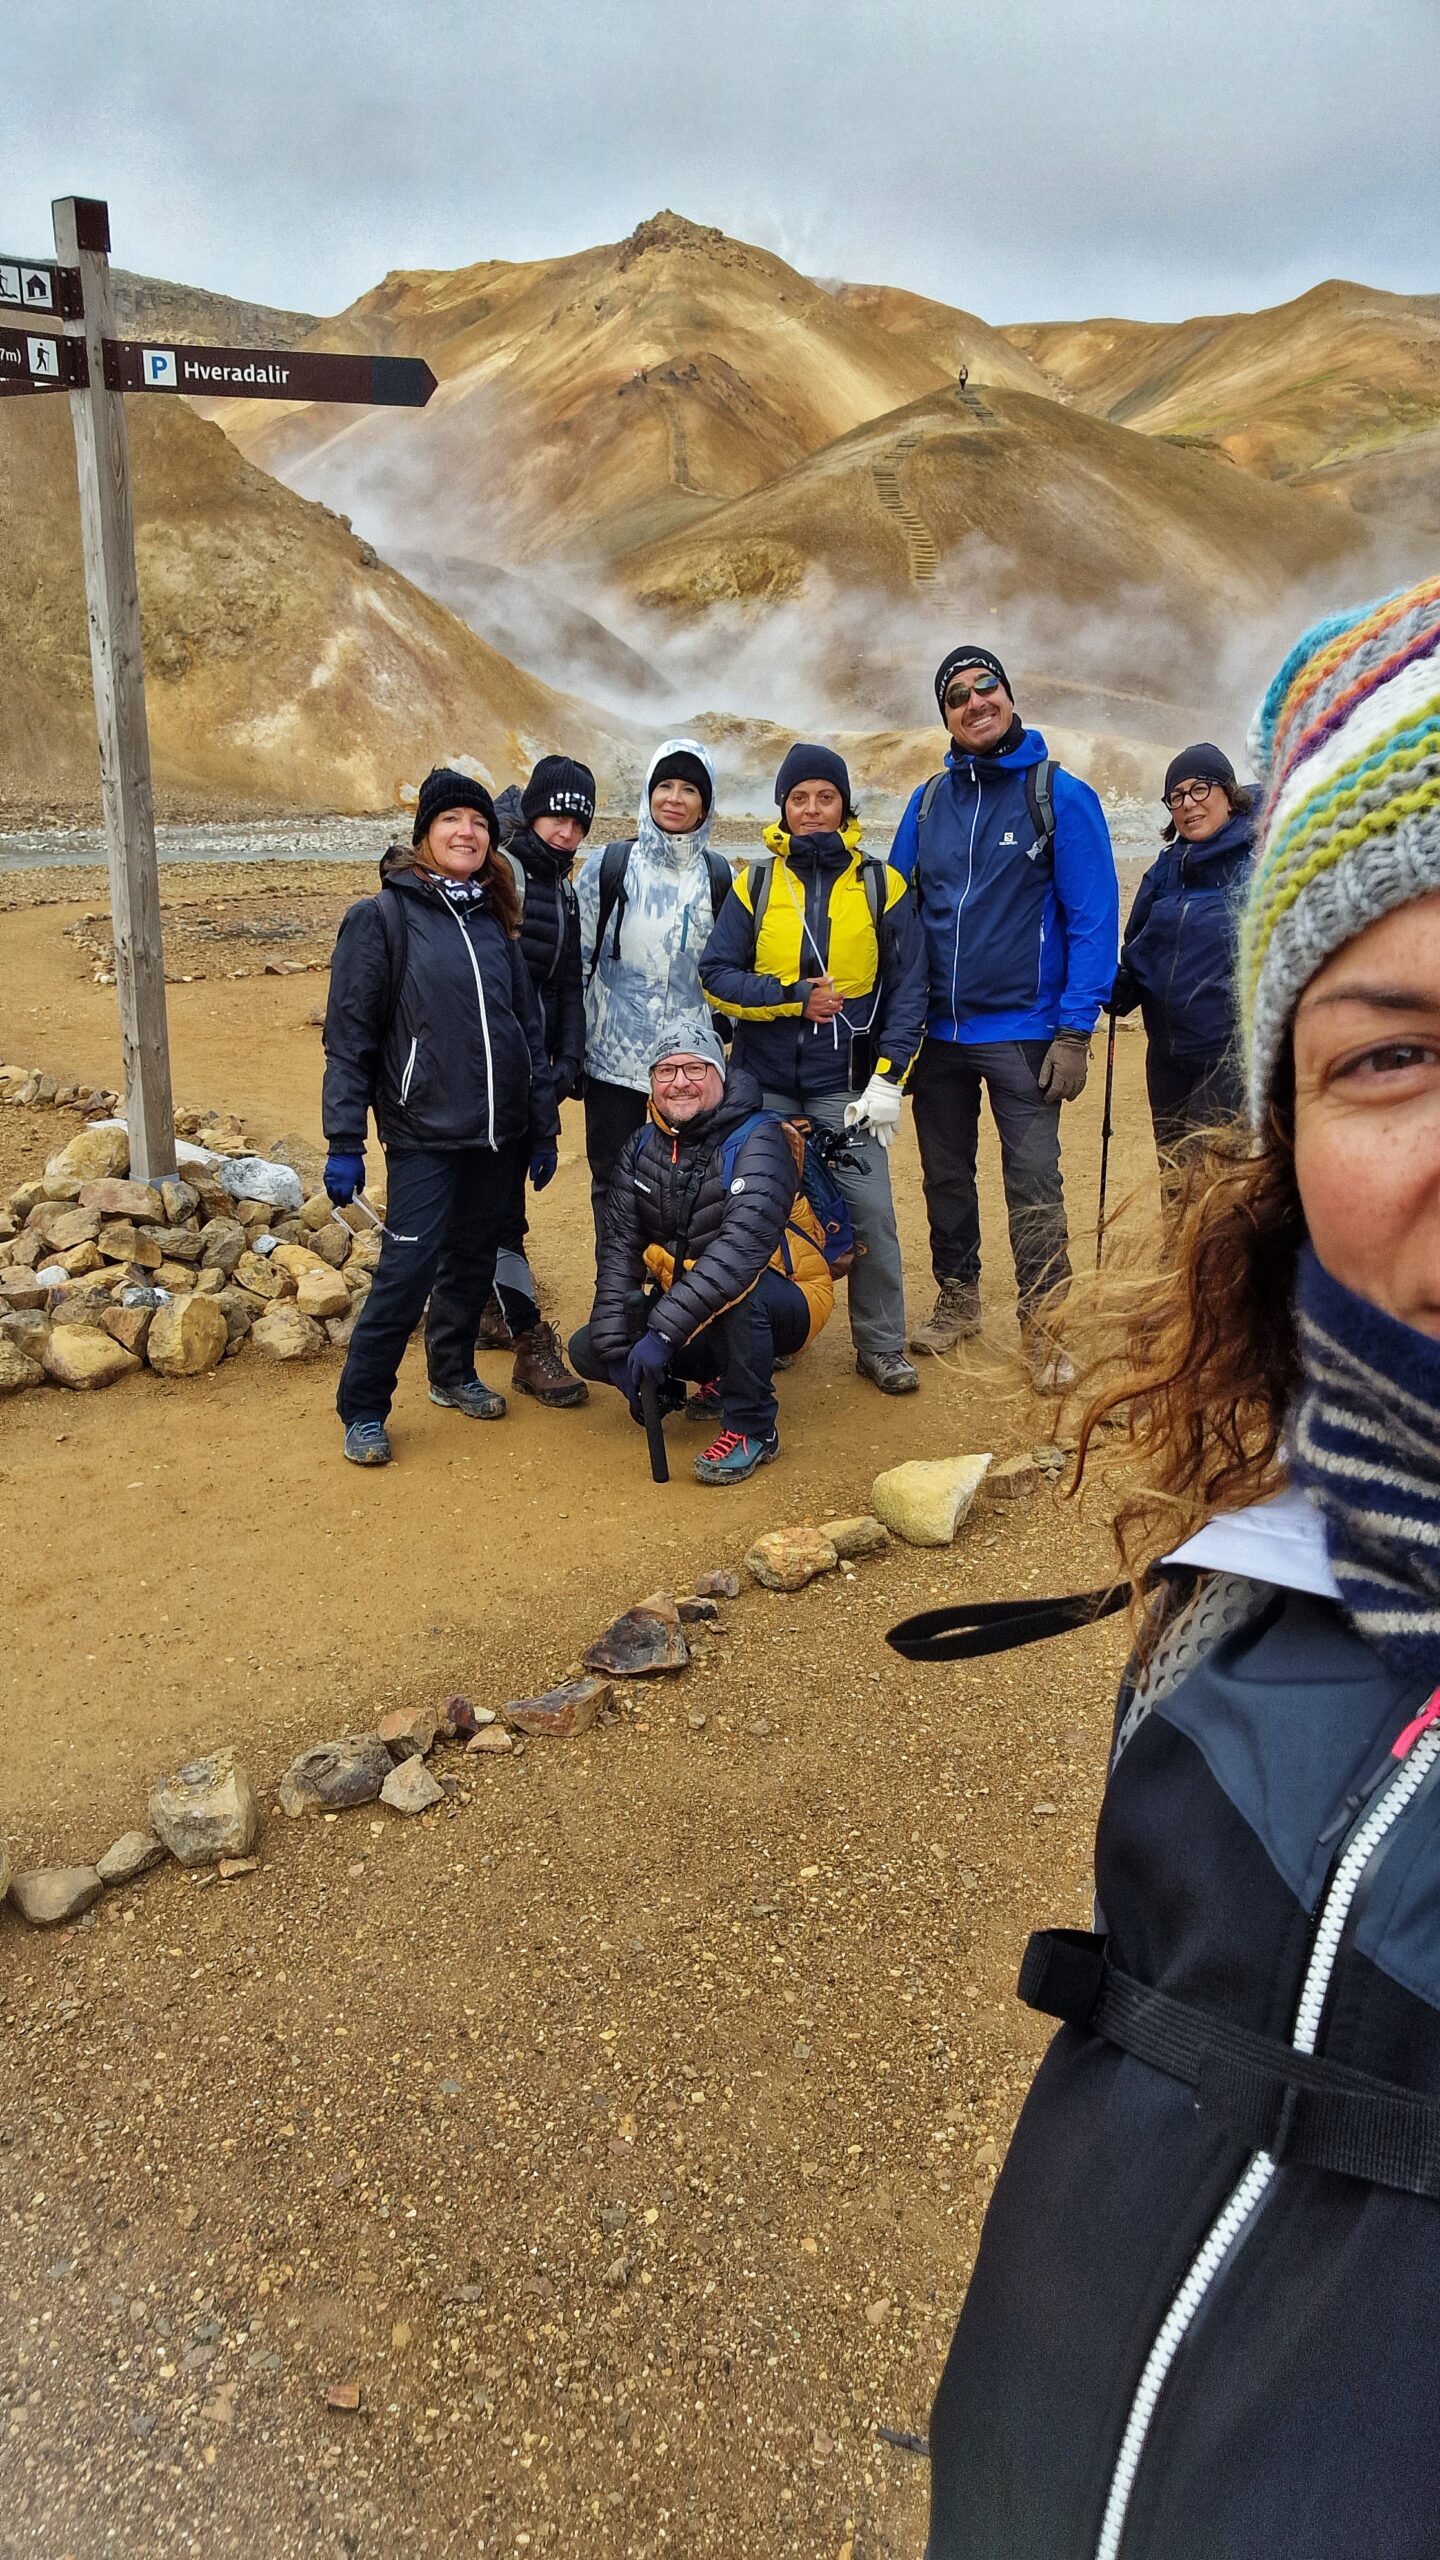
(1187, 791)
(957, 695)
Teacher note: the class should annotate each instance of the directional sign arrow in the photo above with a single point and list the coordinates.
(36, 284)
(267, 373)
(41, 363)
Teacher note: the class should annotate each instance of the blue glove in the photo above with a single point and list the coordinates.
(543, 1165)
(649, 1358)
(344, 1176)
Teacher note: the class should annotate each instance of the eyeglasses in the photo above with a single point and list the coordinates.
(957, 695)
(681, 1075)
(1187, 791)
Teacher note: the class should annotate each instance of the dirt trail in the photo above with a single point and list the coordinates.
(359, 2115)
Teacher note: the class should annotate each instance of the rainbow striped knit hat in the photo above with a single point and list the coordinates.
(1347, 741)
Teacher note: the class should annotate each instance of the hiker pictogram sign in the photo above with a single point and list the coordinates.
(41, 364)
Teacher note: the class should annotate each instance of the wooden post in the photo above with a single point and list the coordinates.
(107, 528)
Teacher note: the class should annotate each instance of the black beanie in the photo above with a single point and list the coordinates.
(682, 767)
(559, 788)
(972, 655)
(1199, 764)
(443, 788)
(805, 763)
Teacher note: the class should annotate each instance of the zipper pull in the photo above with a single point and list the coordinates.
(1405, 1742)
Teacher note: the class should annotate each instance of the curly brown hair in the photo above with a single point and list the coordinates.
(1196, 1362)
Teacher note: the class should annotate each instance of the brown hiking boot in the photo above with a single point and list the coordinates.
(540, 1369)
(954, 1317)
(1052, 1371)
(495, 1334)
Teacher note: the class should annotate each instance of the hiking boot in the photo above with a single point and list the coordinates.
(1052, 1371)
(367, 1444)
(540, 1369)
(954, 1317)
(704, 1406)
(890, 1371)
(495, 1334)
(472, 1397)
(731, 1458)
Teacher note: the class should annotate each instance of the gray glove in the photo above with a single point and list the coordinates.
(1064, 1067)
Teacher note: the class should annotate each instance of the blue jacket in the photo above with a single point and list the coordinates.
(1018, 948)
(1177, 961)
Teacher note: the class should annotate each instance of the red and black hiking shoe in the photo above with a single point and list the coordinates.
(704, 1405)
(731, 1458)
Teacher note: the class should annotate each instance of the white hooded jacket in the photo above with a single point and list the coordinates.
(654, 985)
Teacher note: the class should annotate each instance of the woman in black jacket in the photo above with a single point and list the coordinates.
(1205, 2314)
(1177, 961)
(433, 1024)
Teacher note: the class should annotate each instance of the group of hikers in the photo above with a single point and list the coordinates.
(1202, 2317)
(743, 1038)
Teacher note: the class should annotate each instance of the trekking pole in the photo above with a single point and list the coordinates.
(654, 1430)
(1105, 1129)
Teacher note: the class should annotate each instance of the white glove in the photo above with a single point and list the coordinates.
(877, 1111)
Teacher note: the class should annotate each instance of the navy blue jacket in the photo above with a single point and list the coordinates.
(1202, 2320)
(452, 1057)
(1019, 947)
(1177, 961)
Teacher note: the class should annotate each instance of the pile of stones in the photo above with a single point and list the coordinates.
(101, 1276)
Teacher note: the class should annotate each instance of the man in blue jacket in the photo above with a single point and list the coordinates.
(1009, 859)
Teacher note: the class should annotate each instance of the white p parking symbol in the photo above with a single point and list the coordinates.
(158, 369)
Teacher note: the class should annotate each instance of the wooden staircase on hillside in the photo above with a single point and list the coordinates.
(920, 545)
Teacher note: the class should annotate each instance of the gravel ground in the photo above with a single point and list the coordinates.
(621, 2129)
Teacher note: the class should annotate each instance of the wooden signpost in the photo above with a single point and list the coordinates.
(96, 368)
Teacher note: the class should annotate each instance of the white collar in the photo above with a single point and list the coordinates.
(1280, 1541)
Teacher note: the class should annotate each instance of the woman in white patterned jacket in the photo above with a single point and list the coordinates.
(646, 909)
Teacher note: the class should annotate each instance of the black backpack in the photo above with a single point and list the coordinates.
(613, 864)
(1039, 802)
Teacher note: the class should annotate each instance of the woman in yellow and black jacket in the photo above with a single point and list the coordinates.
(817, 956)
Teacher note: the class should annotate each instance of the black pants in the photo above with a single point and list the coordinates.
(612, 1114)
(514, 1280)
(738, 1349)
(946, 1086)
(1186, 1097)
(456, 1203)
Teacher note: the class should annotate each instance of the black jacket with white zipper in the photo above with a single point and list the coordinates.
(1204, 2322)
(453, 1057)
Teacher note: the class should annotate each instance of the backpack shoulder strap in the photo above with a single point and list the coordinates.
(613, 862)
(1040, 801)
(760, 880)
(927, 803)
(722, 879)
(735, 1140)
(517, 871)
(395, 925)
(873, 873)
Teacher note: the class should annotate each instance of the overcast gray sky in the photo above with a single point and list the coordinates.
(1026, 159)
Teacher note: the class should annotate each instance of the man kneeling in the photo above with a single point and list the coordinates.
(711, 1266)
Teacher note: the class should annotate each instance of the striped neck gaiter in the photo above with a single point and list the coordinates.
(1365, 1447)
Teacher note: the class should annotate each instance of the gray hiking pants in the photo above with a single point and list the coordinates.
(876, 1286)
(946, 1085)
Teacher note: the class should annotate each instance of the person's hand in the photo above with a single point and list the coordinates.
(822, 1003)
(649, 1358)
(568, 1075)
(544, 1163)
(876, 1113)
(1064, 1067)
(344, 1176)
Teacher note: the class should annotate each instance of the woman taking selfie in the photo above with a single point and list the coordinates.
(433, 1024)
(1203, 2319)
